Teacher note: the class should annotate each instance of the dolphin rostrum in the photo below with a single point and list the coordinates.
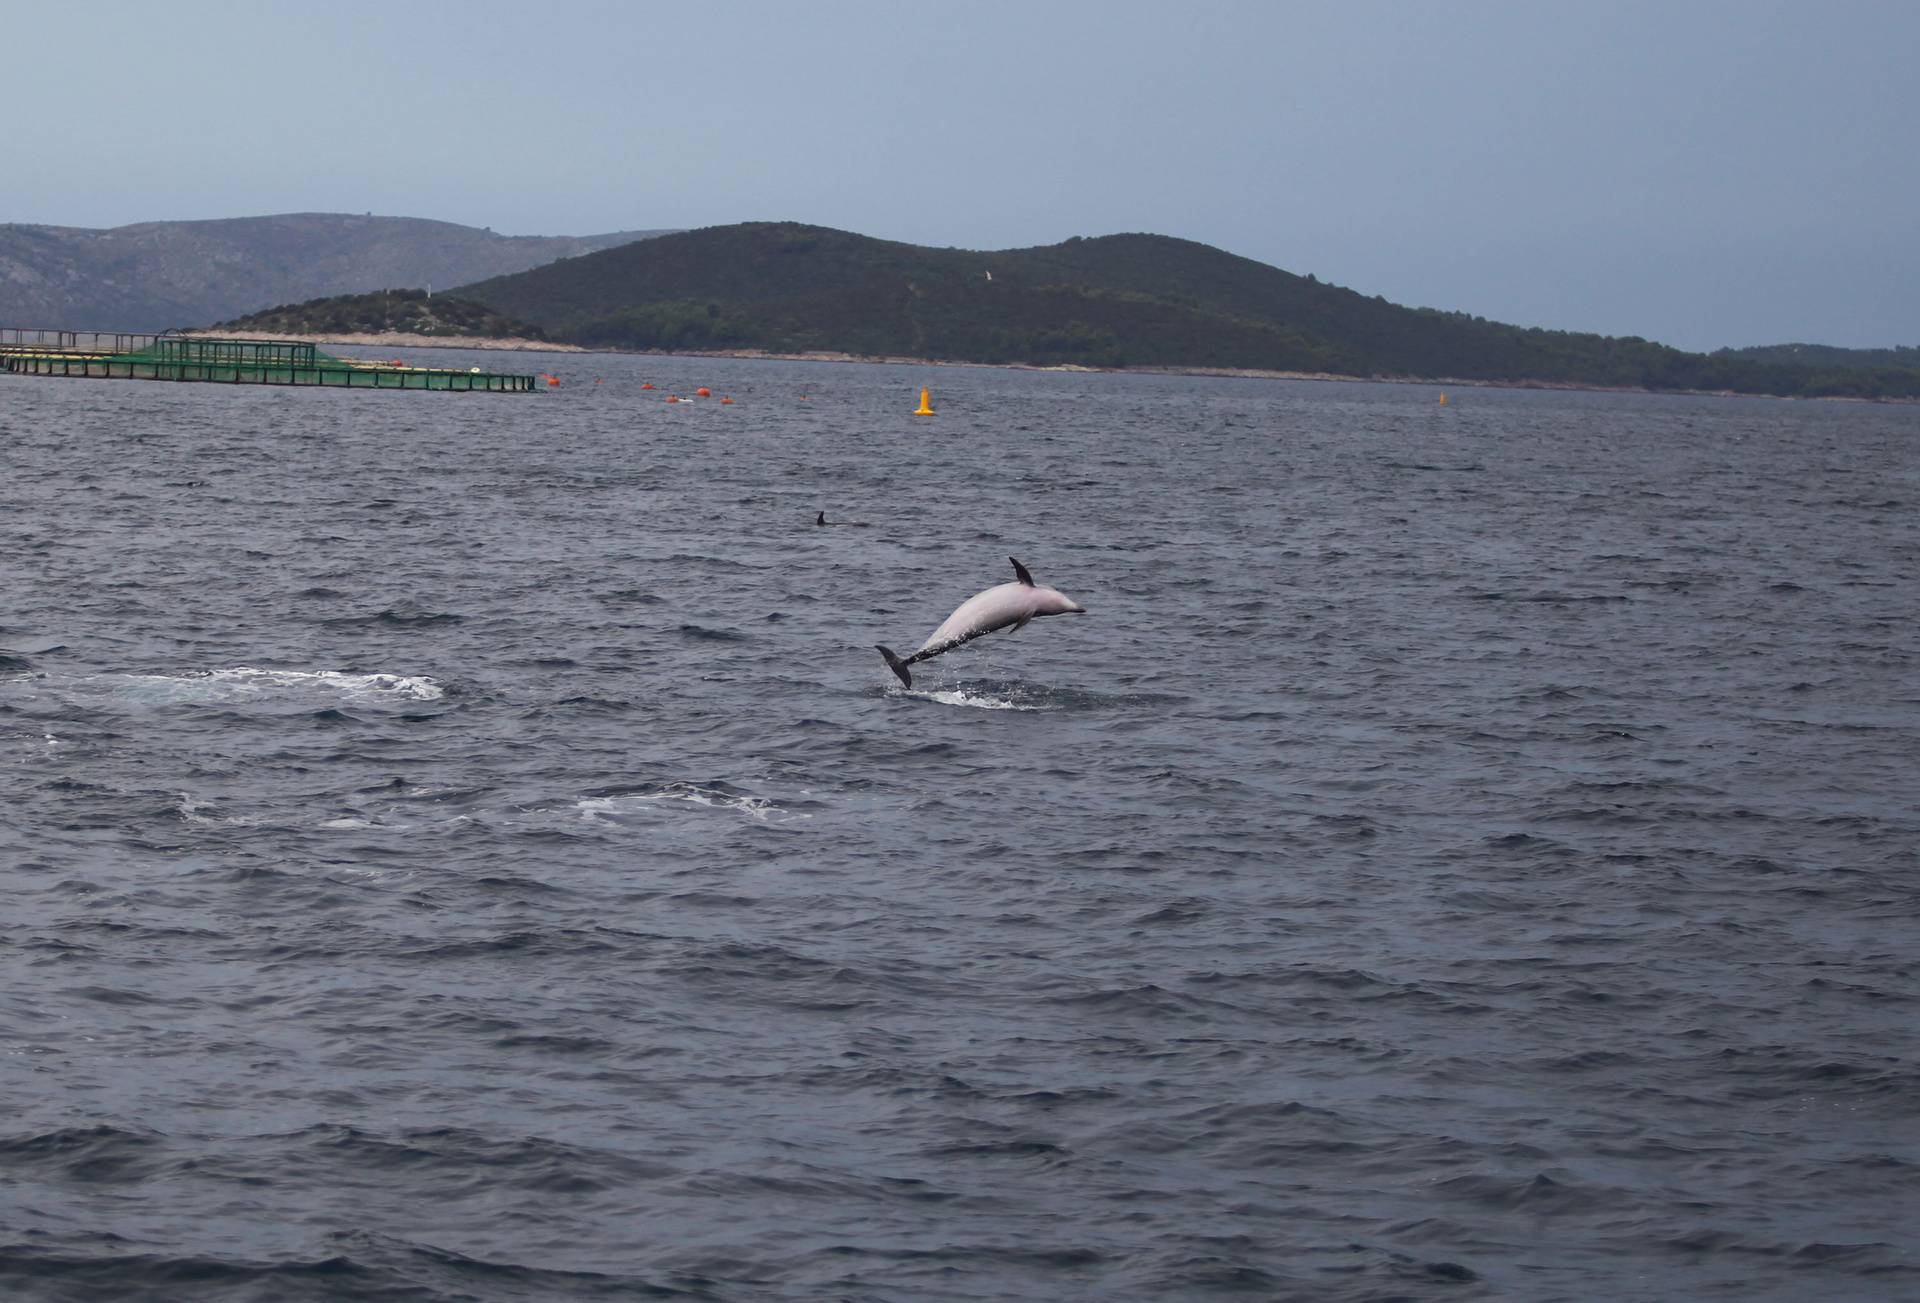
(999, 607)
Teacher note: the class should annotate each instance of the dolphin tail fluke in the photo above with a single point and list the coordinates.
(895, 664)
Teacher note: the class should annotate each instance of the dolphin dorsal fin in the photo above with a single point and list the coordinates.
(820, 519)
(1020, 572)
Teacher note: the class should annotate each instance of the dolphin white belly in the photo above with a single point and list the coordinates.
(999, 607)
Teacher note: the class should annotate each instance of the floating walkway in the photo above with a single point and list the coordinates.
(109, 355)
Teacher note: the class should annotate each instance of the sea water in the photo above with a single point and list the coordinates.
(467, 847)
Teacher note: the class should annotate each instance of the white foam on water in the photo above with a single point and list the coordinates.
(246, 681)
(977, 700)
(759, 808)
(195, 810)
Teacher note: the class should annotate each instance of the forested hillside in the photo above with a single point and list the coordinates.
(1113, 301)
(406, 312)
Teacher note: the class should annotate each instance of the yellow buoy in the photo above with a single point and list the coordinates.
(1443, 400)
(926, 407)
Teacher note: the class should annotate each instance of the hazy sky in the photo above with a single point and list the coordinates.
(1704, 173)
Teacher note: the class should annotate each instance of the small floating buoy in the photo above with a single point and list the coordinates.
(553, 382)
(599, 380)
(704, 392)
(725, 401)
(926, 407)
(1443, 400)
(647, 385)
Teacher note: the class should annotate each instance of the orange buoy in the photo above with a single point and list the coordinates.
(599, 380)
(726, 400)
(553, 382)
(647, 385)
(704, 392)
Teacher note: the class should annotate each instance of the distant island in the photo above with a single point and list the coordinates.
(1113, 302)
(163, 275)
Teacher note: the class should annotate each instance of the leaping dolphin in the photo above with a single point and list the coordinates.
(997, 608)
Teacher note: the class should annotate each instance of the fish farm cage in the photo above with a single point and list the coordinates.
(112, 355)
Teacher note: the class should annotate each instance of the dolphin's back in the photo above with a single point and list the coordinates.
(996, 608)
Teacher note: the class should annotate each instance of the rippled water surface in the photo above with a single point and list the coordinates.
(467, 847)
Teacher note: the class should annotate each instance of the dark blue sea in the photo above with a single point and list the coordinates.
(466, 847)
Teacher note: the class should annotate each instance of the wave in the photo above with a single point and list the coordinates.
(248, 682)
(191, 809)
(704, 634)
(345, 1265)
(611, 807)
(976, 700)
(1012, 694)
(984, 694)
(91, 1154)
(394, 619)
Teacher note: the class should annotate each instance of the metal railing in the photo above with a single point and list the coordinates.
(18, 338)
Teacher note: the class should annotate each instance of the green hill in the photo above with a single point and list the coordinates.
(1117, 301)
(406, 312)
